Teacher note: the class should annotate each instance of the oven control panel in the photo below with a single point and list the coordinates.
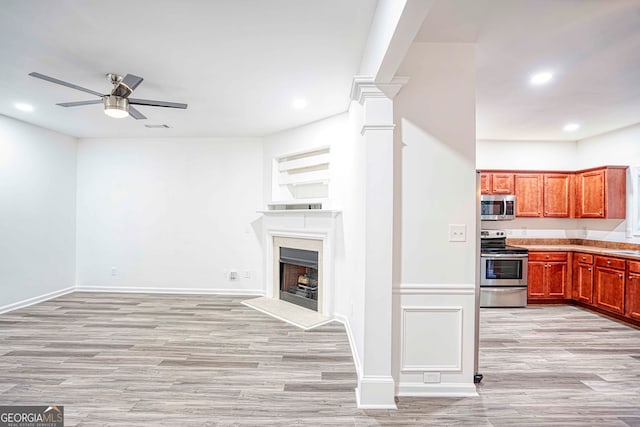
(492, 234)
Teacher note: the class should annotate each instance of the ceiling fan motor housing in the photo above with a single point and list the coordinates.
(116, 106)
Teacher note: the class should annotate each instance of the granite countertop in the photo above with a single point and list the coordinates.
(580, 248)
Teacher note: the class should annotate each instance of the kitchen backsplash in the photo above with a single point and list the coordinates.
(564, 228)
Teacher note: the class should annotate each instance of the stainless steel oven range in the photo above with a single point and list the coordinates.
(503, 271)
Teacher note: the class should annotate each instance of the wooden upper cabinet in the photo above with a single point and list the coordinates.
(601, 193)
(590, 193)
(528, 190)
(496, 183)
(558, 195)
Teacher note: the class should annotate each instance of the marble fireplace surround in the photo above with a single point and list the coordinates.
(311, 230)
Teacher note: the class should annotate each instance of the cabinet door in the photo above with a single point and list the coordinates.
(556, 278)
(584, 283)
(632, 306)
(557, 200)
(590, 194)
(485, 183)
(609, 289)
(528, 189)
(496, 183)
(502, 183)
(535, 279)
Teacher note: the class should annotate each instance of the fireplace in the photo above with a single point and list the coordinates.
(299, 277)
(298, 271)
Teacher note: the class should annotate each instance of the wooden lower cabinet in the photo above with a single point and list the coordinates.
(632, 291)
(582, 289)
(609, 284)
(548, 275)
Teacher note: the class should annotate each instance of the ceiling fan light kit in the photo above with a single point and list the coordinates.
(116, 106)
(117, 103)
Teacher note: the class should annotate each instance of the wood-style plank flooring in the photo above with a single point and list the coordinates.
(176, 360)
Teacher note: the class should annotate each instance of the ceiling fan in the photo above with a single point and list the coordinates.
(117, 104)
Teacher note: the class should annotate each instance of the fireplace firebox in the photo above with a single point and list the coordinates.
(299, 277)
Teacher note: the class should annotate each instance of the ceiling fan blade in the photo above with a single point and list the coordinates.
(135, 113)
(132, 81)
(156, 103)
(127, 85)
(60, 82)
(78, 103)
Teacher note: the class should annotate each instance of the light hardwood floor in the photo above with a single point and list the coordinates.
(174, 360)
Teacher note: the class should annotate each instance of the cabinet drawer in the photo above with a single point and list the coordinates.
(547, 256)
(605, 261)
(583, 258)
(634, 266)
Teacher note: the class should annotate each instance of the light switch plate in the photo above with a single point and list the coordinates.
(457, 232)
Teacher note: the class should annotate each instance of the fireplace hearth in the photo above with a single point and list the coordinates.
(299, 277)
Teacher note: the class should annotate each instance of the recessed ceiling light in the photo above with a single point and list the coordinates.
(24, 107)
(541, 78)
(570, 127)
(299, 103)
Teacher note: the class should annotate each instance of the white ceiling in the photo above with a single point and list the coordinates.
(592, 46)
(237, 63)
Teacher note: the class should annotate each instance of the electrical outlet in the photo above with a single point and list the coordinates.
(431, 377)
(114, 271)
(246, 274)
(457, 233)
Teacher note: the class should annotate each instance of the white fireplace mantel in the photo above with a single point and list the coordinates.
(305, 212)
(312, 224)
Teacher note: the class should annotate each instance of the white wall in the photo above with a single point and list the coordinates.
(621, 147)
(527, 155)
(37, 212)
(169, 214)
(434, 301)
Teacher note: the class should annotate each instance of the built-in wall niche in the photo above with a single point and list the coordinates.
(301, 176)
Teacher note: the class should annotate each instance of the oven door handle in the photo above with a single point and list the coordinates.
(504, 255)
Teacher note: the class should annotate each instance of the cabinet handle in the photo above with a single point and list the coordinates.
(589, 269)
(620, 276)
(608, 262)
(584, 258)
(630, 277)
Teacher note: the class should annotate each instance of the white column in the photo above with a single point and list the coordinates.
(376, 387)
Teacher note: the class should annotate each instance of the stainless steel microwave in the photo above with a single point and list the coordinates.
(498, 207)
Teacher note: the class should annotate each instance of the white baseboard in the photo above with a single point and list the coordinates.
(35, 300)
(436, 390)
(186, 291)
(376, 392)
(354, 350)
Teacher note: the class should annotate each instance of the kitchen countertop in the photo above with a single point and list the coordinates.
(579, 248)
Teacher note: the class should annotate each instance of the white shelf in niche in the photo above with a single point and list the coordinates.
(302, 174)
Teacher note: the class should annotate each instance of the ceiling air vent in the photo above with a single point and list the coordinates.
(157, 126)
